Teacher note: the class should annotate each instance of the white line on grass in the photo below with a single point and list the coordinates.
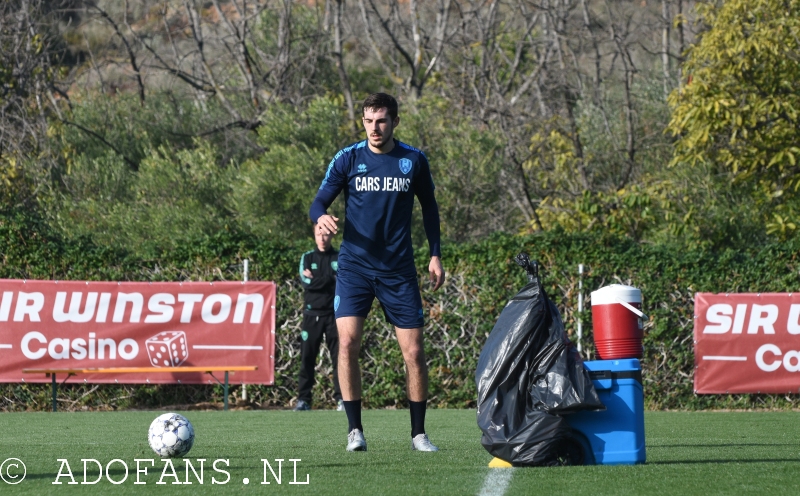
(496, 482)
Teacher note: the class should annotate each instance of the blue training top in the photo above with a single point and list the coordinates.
(379, 192)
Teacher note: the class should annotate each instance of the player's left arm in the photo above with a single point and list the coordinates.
(424, 189)
(305, 272)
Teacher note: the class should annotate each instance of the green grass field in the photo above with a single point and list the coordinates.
(687, 453)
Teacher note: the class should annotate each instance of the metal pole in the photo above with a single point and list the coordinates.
(55, 387)
(225, 390)
(245, 275)
(580, 305)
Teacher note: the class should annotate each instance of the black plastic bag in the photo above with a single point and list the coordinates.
(529, 374)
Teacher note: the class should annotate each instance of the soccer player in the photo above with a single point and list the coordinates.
(318, 269)
(380, 177)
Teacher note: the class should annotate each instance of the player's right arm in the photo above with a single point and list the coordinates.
(335, 180)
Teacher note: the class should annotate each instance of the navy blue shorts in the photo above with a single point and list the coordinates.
(398, 295)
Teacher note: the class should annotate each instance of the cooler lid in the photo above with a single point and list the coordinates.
(607, 295)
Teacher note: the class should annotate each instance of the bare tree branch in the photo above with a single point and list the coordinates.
(131, 163)
(128, 48)
(239, 34)
(338, 59)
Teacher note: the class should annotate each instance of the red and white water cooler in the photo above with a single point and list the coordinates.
(618, 321)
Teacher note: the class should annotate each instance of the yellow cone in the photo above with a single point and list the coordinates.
(498, 463)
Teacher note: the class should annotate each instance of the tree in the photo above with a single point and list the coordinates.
(536, 114)
(29, 56)
(740, 109)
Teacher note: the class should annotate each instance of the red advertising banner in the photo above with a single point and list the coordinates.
(79, 324)
(747, 343)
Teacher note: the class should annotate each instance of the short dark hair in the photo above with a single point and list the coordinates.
(378, 101)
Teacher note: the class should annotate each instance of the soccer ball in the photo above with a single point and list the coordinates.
(171, 435)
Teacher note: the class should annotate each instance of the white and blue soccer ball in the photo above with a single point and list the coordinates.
(171, 435)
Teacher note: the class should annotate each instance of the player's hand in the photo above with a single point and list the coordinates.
(326, 224)
(437, 272)
(308, 274)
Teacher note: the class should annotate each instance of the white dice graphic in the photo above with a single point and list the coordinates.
(167, 349)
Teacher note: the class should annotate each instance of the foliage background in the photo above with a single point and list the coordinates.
(481, 278)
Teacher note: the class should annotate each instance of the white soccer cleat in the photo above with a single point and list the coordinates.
(422, 443)
(356, 441)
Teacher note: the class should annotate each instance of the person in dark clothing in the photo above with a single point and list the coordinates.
(380, 178)
(318, 270)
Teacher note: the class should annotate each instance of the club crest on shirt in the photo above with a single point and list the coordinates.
(335, 265)
(405, 165)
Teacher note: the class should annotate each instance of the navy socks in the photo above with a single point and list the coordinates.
(417, 410)
(353, 411)
(417, 417)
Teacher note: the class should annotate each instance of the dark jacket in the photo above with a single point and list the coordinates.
(320, 289)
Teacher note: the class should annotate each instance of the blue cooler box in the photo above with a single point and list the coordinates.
(614, 436)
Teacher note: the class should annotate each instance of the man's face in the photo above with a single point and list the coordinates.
(323, 240)
(379, 126)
